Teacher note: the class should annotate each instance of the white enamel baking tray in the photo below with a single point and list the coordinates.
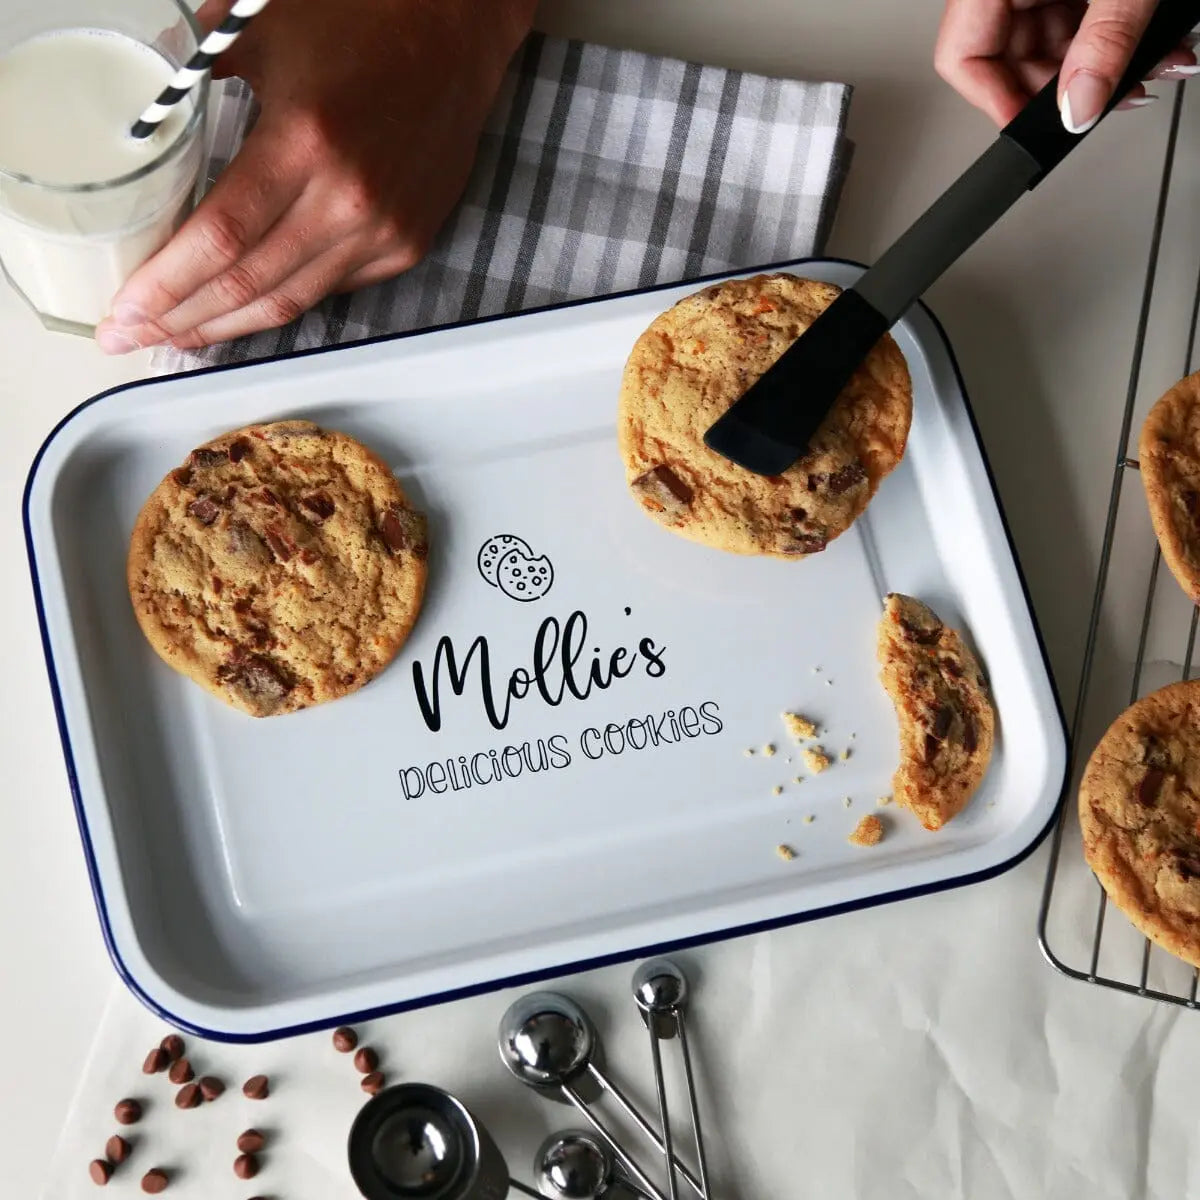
(256, 878)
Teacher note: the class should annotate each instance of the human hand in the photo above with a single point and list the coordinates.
(998, 53)
(371, 112)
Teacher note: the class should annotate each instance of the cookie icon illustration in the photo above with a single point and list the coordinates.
(523, 577)
(494, 549)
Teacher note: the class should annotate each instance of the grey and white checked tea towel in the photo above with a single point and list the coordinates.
(600, 170)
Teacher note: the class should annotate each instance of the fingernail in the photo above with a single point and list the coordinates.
(127, 314)
(113, 341)
(1185, 69)
(1138, 102)
(1083, 101)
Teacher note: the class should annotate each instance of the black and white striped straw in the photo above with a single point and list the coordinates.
(198, 66)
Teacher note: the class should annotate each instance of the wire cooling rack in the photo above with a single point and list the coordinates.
(1079, 933)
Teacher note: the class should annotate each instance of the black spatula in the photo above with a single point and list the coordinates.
(770, 426)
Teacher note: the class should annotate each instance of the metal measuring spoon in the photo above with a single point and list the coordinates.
(661, 991)
(547, 1042)
(417, 1142)
(576, 1165)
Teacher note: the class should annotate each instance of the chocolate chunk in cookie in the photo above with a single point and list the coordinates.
(661, 490)
(403, 529)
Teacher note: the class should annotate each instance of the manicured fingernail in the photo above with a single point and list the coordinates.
(127, 314)
(1083, 101)
(1185, 69)
(113, 341)
(1137, 102)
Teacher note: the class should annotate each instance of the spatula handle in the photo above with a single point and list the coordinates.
(1038, 127)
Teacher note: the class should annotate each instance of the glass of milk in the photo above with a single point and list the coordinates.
(82, 204)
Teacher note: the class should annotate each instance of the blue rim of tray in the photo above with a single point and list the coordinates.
(587, 964)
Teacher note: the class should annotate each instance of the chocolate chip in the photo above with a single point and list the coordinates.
(664, 489)
(308, 557)
(204, 510)
(245, 1166)
(182, 476)
(251, 1142)
(1191, 503)
(239, 449)
(189, 1096)
(217, 586)
(245, 542)
(970, 735)
(116, 1149)
(943, 718)
(155, 1181)
(1188, 865)
(952, 667)
(320, 504)
(804, 543)
(211, 1087)
(403, 529)
(266, 496)
(799, 514)
(181, 1071)
(259, 681)
(1154, 753)
(923, 635)
(128, 1112)
(279, 543)
(156, 1061)
(1149, 786)
(845, 478)
(257, 1087)
(366, 1061)
(206, 456)
(344, 1039)
(373, 1084)
(931, 747)
(100, 1171)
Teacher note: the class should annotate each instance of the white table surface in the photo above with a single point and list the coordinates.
(922, 1049)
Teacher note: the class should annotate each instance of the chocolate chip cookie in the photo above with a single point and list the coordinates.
(693, 362)
(1169, 454)
(1139, 812)
(947, 722)
(281, 566)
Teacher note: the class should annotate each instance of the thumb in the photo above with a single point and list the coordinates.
(1097, 59)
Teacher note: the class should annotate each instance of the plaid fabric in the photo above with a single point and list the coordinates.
(600, 170)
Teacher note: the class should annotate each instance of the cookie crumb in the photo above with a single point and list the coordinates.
(816, 670)
(845, 754)
(868, 832)
(768, 750)
(884, 801)
(799, 727)
(748, 752)
(846, 802)
(785, 852)
(829, 683)
(797, 778)
(777, 790)
(809, 819)
(815, 759)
